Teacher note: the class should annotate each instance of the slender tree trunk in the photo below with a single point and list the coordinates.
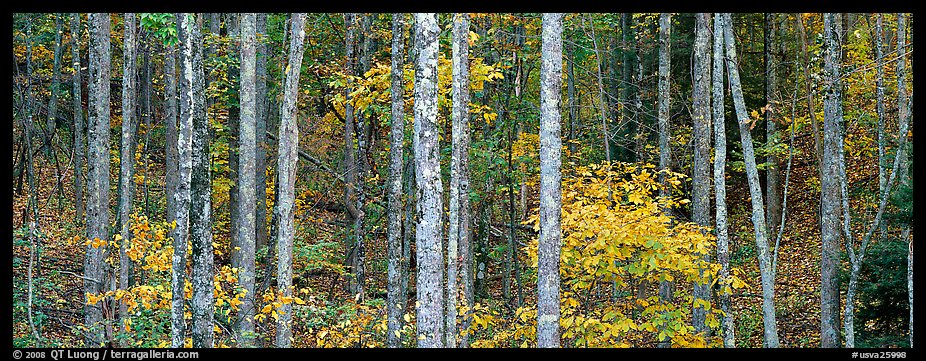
(171, 150)
(200, 194)
(458, 240)
(720, 187)
(80, 141)
(286, 165)
(350, 164)
(549, 243)
(879, 106)
(127, 152)
(752, 175)
(395, 305)
(665, 31)
(233, 26)
(247, 163)
(98, 182)
(903, 114)
(146, 113)
(772, 178)
(263, 105)
(428, 234)
(182, 193)
(830, 198)
(701, 137)
(55, 85)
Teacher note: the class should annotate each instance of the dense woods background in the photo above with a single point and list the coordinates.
(462, 180)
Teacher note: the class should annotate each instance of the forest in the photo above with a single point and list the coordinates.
(462, 180)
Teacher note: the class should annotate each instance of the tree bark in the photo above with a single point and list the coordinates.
(200, 196)
(817, 141)
(233, 26)
(182, 194)
(98, 180)
(720, 191)
(263, 105)
(550, 238)
(350, 156)
(127, 151)
(395, 305)
(288, 147)
(752, 175)
(80, 140)
(701, 137)
(430, 262)
(665, 31)
(830, 187)
(247, 164)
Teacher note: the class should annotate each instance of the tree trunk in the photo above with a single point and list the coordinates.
(550, 238)
(286, 165)
(98, 182)
(752, 175)
(182, 193)
(701, 137)
(720, 191)
(200, 200)
(350, 164)
(127, 152)
(80, 140)
(428, 234)
(906, 235)
(233, 26)
(395, 305)
(665, 31)
(247, 164)
(263, 105)
(772, 178)
(830, 197)
(458, 240)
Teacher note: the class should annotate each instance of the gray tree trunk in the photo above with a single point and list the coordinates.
(720, 186)
(263, 105)
(910, 281)
(767, 274)
(233, 28)
(350, 156)
(286, 165)
(80, 140)
(127, 151)
(458, 240)
(550, 237)
(772, 178)
(172, 176)
(430, 260)
(200, 198)
(701, 138)
(665, 31)
(247, 166)
(830, 187)
(879, 106)
(98, 172)
(395, 303)
(181, 196)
